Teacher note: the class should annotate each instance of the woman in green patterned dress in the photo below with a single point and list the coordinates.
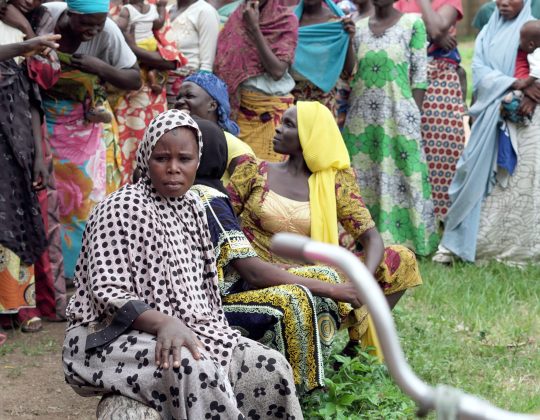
(382, 129)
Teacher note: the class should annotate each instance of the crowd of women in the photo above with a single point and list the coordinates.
(150, 151)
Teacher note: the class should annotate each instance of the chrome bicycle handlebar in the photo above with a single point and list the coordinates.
(468, 406)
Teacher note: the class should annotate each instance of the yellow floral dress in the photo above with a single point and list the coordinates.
(255, 204)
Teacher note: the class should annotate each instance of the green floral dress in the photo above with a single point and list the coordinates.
(382, 133)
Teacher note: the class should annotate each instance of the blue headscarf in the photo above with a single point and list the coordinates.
(87, 7)
(217, 89)
(321, 50)
(493, 66)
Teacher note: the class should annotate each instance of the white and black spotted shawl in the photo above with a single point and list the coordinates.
(142, 251)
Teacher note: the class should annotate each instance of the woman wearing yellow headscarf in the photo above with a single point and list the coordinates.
(310, 193)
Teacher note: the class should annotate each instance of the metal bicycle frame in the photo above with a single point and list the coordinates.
(302, 248)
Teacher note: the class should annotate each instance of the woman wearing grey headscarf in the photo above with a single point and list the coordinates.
(146, 320)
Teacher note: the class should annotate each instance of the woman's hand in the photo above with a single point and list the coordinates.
(348, 26)
(40, 175)
(251, 15)
(526, 107)
(171, 336)
(346, 292)
(87, 63)
(533, 92)
(447, 42)
(40, 45)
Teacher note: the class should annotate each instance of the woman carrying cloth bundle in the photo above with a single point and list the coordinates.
(258, 79)
(323, 53)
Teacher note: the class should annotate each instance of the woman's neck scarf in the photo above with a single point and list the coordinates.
(213, 162)
(217, 89)
(87, 7)
(493, 67)
(321, 50)
(237, 58)
(325, 153)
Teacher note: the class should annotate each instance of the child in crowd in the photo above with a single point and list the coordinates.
(527, 72)
(145, 18)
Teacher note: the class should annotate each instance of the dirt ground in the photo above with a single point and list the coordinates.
(32, 381)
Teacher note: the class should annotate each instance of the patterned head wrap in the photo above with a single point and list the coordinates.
(163, 123)
(217, 89)
(88, 7)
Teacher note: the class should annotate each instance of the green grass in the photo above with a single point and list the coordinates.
(466, 49)
(474, 328)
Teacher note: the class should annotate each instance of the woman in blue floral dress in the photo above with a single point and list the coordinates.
(382, 130)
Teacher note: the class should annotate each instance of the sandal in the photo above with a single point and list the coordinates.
(32, 325)
(444, 256)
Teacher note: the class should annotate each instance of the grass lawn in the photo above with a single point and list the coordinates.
(475, 328)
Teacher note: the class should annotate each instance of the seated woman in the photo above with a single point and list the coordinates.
(205, 95)
(309, 194)
(146, 320)
(293, 311)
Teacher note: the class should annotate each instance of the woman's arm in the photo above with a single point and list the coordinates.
(161, 7)
(208, 28)
(261, 274)
(273, 65)
(38, 45)
(127, 79)
(439, 22)
(14, 17)
(373, 247)
(152, 59)
(350, 59)
(356, 219)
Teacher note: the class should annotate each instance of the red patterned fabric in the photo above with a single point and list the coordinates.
(443, 134)
(278, 25)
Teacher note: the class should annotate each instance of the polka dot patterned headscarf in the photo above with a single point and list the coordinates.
(163, 123)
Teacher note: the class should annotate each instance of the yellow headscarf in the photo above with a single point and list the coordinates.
(325, 153)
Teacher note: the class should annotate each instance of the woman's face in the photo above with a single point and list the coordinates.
(173, 162)
(87, 26)
(286, 140)
(194, 99)
(509, 9)
(26, 6)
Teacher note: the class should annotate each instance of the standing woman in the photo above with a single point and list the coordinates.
(494, 215)
(195, 28)
(382, 129)
(443, 133)
(258, 79)
(96, 51)
(324, 51)
(22, 236)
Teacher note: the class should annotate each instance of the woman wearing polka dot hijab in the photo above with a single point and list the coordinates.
(146, 320)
